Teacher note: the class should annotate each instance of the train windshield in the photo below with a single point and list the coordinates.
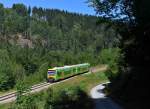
(51, 72)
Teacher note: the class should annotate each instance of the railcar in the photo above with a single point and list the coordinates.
(58, 73)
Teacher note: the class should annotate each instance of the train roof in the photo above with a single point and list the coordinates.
(69, 66)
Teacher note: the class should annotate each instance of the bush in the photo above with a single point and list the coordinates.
(69, 98)
(24, 101)
(7, 80)
(112, 57)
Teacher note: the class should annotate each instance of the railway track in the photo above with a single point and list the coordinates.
(12, 96)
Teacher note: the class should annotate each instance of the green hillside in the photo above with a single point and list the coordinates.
(33, 40)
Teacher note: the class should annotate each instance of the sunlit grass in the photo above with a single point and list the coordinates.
(85, 81)
(6, 92)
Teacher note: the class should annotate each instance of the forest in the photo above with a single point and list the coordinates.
(35, 39)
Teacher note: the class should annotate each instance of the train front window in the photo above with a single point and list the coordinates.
(51, 72)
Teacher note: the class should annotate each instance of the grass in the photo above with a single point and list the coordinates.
(85, 82)
(6, 92)
(6, 106)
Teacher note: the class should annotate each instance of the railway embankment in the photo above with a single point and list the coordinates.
(84, 82)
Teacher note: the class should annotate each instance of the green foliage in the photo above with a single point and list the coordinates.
(20, 9)
(24, 101)
(69, 98)
(49, 100)
(111, 57)
(1, 18)
(7, 78)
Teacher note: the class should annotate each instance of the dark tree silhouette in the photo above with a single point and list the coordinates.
(132, 18)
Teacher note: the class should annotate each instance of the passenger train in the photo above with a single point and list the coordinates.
(58, 73)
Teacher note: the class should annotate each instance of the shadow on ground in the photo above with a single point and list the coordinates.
(105, 103)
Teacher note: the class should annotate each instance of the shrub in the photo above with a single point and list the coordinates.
(7, 80)
(69, 98)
